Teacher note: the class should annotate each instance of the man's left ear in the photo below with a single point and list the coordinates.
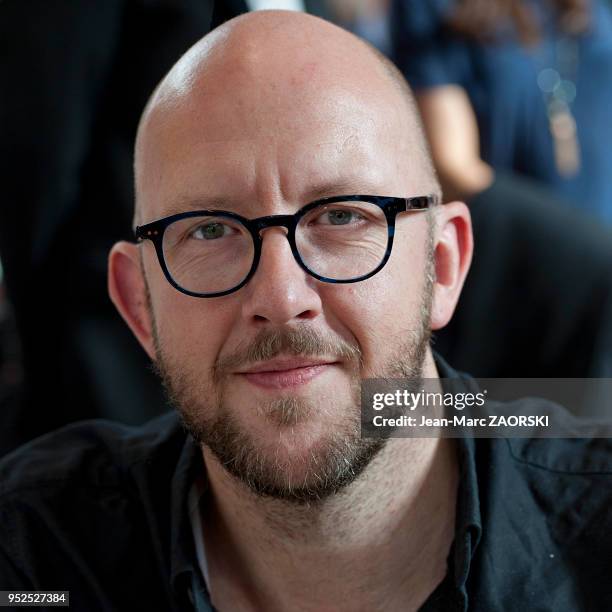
(453, 249)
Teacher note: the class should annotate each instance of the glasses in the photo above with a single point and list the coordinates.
(342, 239)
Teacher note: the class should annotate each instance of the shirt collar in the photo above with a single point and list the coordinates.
(468, 522)
(183, 561)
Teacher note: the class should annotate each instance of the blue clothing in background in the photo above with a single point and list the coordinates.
(501, 80)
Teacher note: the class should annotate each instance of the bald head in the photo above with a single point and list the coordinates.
(265, 118)
(272, 72)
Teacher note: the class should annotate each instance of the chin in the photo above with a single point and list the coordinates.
(299, 462)
(305, 478)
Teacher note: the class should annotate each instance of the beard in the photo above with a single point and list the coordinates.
(279, 470)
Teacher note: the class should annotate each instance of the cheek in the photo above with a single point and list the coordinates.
(192, 330)
(381, 311)
(188, 328)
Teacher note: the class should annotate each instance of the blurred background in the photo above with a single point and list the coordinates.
(516, 99)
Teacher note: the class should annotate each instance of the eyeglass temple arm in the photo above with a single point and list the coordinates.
(421, 202)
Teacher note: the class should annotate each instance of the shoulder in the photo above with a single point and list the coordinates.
(565, 457)
(545, 524)
(90, 506)
(94, 453)
(571, 448)
(546, 520)
(95, 498)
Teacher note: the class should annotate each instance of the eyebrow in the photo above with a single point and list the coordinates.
(185, 203)
(349, 186)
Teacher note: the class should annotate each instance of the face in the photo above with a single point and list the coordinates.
(268, 378)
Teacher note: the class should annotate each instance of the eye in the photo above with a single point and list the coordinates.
(339, 216)
(211, 231)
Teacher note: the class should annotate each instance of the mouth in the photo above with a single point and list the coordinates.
(286, 373)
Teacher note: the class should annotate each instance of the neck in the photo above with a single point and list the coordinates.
(380, 543)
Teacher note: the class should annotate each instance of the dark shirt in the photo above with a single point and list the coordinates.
(100, 509)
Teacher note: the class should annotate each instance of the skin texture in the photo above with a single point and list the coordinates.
(267, 113)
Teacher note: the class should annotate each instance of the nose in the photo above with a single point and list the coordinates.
(280, 292)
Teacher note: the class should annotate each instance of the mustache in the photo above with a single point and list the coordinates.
(301, 340)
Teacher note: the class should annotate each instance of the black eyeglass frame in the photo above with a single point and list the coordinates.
(390, 206)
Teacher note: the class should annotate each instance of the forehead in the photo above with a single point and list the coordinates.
(263, 145)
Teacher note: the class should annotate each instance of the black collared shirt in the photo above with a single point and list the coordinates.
(100, 509)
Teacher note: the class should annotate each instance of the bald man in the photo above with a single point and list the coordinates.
(290, 243)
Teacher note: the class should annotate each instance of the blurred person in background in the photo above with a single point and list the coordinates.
(537, 77)
(516, 101)
(368, 19)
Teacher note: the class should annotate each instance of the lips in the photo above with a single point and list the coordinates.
(285, 373)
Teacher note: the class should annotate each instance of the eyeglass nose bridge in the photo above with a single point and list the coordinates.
(262, 223)
(289, 222)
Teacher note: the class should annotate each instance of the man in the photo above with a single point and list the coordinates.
(248, 159)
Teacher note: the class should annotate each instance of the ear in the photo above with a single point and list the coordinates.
(453, 249)
(127, 290)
